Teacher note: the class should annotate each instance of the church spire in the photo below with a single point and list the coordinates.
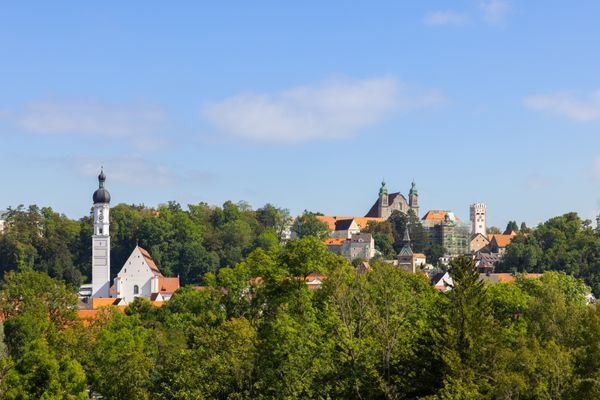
(413, 188)
(383, 189)
(406, 249)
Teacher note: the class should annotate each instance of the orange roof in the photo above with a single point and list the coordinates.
(419, 255)
(435, 215)
(334, 241)
(150, 261)
(502, 240)
(168, 285)
(330, 221)
(362, 222)
(507, 277)
(315, 275)
(98, 302)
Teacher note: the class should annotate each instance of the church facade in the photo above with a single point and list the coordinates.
(139, 277)
(386, 203)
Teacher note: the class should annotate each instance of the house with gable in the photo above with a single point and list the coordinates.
(345, 228)
(140, 277)
(498, 243)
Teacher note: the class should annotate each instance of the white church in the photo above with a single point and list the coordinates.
(139, 277)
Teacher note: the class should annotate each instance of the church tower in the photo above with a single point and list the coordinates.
(383, 201)
(101, 240)
(413, 199)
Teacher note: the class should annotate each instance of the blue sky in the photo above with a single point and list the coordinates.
(306, 105)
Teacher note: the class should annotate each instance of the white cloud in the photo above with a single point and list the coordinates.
(444, 18)
(89, 118)
(582, 109)
(135, 171)
(332, 110)
(494, 11)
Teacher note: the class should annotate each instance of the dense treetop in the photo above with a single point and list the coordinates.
(187, 243)
(384, 334)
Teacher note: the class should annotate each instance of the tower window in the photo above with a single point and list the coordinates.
(136, 289)
(100, 231)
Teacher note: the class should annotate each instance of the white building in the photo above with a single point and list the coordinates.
(140, 277)
(478, 219)
(360, 245)
(345, 229)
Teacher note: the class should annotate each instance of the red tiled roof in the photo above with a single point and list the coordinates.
(329, 221)
(168, 285)
(435, 215)
(98, 302)
(502, 240)
(150, 261)
(362, 222)
(334, 241)
(314, 276)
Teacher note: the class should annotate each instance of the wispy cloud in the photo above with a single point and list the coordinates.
(89, 118)
(444, 18)
(568, 104)
(331, 110)
(135, 171)
(495, 11)
(139, 125)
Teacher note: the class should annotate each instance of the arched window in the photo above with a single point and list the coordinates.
(136, 289)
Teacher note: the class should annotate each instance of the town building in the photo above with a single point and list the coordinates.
(445, 229)
(358, 246)
(345, 228)
(478, 213)
(333, 222)
(498, 243)
(386, 203)
(478, 242)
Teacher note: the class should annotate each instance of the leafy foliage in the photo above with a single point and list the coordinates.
(255, 330)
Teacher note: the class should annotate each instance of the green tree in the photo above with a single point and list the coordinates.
(468, 343)
(308, 225)
(124, 357)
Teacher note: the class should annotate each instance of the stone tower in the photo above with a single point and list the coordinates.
(383, 201)
(413, 199)
(478, 219)
(406, 259)
(101, 240)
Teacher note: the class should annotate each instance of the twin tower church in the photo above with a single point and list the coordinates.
(139, 276)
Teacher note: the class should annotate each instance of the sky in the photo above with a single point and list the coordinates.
(306, 105)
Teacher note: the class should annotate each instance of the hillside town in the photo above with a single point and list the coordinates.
(300, 200)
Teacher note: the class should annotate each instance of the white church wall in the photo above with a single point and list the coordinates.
(135, 271)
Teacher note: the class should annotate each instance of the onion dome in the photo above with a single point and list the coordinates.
(101, 195)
